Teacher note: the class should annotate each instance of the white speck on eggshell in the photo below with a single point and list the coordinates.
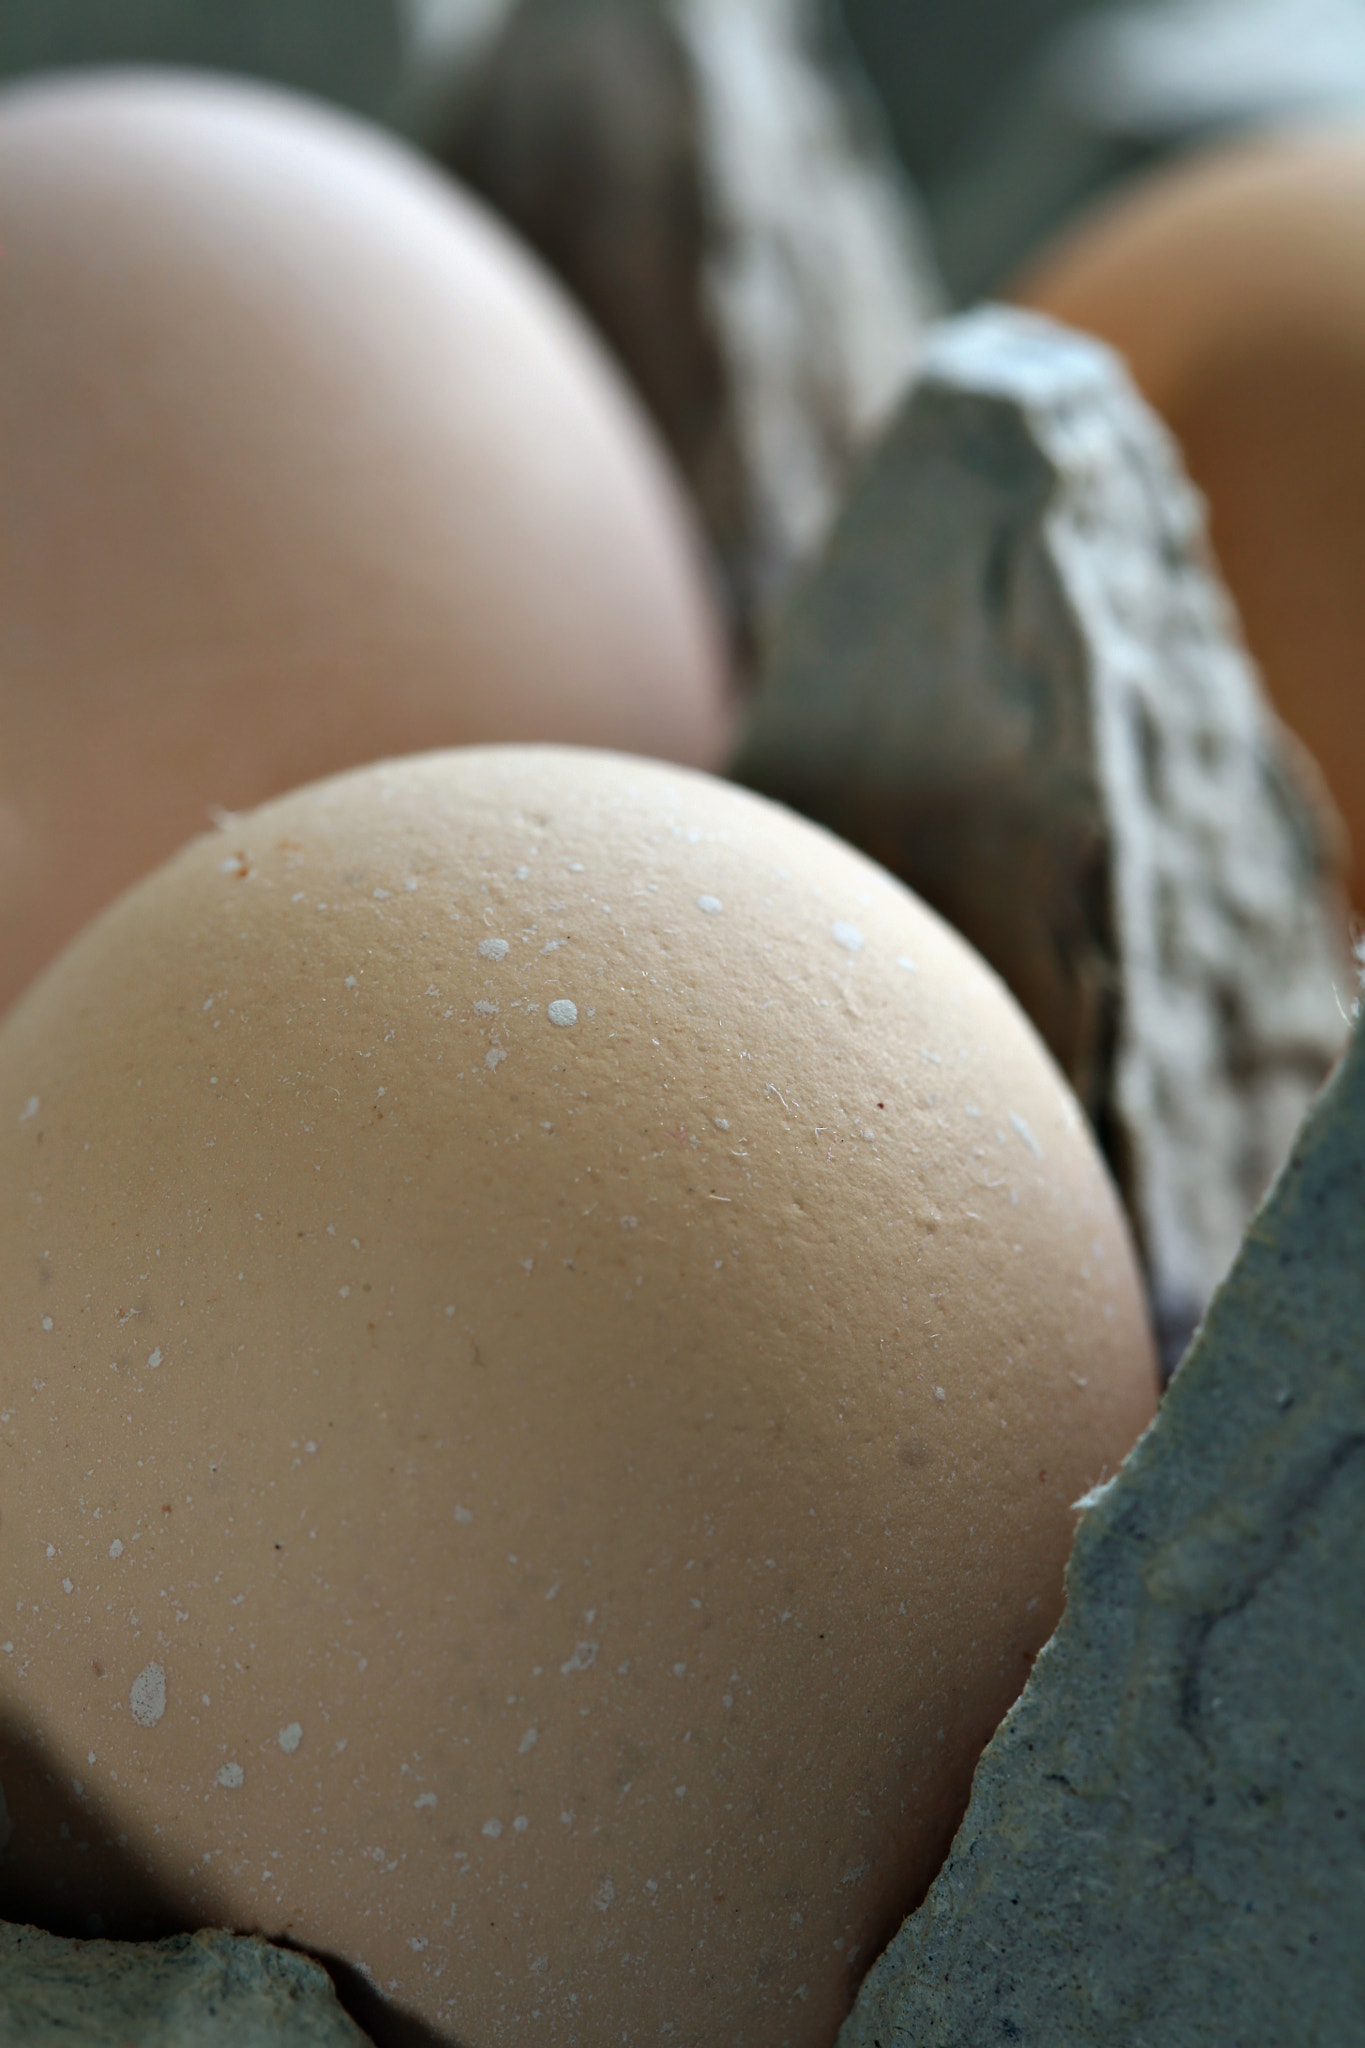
(116, 1548)
(494, 1057)
(230, 1776)
(1026, 1134)
(711, 905)
(154, 1359)
(492, 1828)
(583, 1659)
(847, 935)
(147, 1696)
(562, 1012)
(30, 1109)
(528, 1741)
(493, 949)
(289, 1738)
(424, 1799)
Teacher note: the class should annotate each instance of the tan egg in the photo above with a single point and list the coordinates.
(1235, 285)
(304, 462)
(556, 1321)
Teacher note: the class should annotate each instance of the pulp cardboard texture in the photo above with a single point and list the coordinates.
(1165, 1846)
(712, 180)
(206, 1990)
(1014, 678)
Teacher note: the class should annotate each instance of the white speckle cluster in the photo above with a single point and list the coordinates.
(147, 1696)
(493, 949)
(562, 1012)
(289, 1738)
(230, 1776)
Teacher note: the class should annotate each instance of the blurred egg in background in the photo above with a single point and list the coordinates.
(305, 462)
(1235, 286)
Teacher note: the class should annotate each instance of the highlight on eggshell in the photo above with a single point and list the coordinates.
(557, 1321)
(1234, 283)
(305, 461)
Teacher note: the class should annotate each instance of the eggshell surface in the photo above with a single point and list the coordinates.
(556, 1319)
(304, 461)
(1234, 283)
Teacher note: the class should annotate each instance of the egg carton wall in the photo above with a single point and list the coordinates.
(1164, 1840)
(1015, 679)
(714, 182)
(205, 1990)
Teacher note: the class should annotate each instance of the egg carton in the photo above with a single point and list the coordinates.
(1015, 679)
(1163, 1841)
(713, 181)
(204, 1990)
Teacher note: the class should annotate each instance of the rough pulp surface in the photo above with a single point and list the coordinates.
(1165, 1845)
(1015, 679)
(206, 1990)
(712, 181)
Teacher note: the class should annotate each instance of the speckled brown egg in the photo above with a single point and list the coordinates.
(555, 1320)
(1234, 282)
(303, 462)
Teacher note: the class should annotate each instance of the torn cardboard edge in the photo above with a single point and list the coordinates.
(1014, 678)
(1164, 1840)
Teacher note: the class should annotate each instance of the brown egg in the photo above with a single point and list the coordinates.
(556, 1320)
(304, 462)
(1234, 283)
